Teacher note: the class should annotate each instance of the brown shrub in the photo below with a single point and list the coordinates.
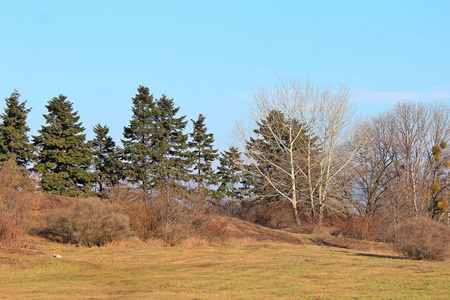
(88, 222)
(422, 239)
(10, 232)
(16, 202)
(354, 228)
(364, 228)
(169, 213)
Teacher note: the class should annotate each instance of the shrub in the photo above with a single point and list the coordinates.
(10, 233)
(15, 203)
(88, 222)
(422, 238)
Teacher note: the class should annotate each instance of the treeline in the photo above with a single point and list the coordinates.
(305, 148)
(156, 149)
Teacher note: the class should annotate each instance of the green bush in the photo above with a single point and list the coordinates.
(88, 222)
(422, 239)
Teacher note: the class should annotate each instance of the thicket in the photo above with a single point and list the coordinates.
(423, 239)
(16, 203)
(88, 222)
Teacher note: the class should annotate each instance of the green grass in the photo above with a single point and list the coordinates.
(260, 271)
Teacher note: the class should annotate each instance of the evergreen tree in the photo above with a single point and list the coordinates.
(105, 158)
(203, 154)
(14, 141)
(155, 148)
(171, 154)
(267, 153)
(138, 153)
(64, 158)
(229, 174)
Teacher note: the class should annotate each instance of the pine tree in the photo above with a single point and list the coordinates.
(203, 155)
(64, 158)
(14, 142)
(229, 174)
(138, 153)
(105, 159)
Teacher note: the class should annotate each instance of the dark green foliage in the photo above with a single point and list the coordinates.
(138, 151)
(270, 156)
(171, 154)
(155, 148)
(105, 159)
(88, 222)
(14, 141)
(229, 174)
(203, 155)
(64, 157)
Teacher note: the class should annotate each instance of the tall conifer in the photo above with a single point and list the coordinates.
(229, 174)
(14, 142)
(203, 154)
(138, 152)
(170, 143)
(105, 158)
(64, 158)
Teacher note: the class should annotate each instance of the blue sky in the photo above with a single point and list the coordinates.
(209, 55)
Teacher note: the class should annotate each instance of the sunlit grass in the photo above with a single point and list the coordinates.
(258, 271)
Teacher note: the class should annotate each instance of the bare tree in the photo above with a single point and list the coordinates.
(312, 139)
(404, 168)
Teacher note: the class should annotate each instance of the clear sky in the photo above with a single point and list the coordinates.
(209, 55)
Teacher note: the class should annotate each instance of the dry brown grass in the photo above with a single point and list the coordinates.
(248, 271)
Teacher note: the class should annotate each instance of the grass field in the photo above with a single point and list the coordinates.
(231, 271)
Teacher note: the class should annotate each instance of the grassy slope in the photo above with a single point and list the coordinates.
(258, 271)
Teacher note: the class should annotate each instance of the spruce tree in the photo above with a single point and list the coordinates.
(64, 158)
(155, 147)
(203, 154)
(138, 153)
(229, 174)
(105, 159)
(266, 153)
(171, 154)
(14, 142)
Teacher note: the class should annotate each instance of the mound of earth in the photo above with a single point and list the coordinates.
(228, 228)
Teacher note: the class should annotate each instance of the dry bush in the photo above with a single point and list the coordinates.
(354, 228)
(422, 239)
(121, 194)
(88, 222)
(170, 214)
(16, 202)
(11, 233)
(364, 228)
(273, 215)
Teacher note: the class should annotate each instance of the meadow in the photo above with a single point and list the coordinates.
(245, 270)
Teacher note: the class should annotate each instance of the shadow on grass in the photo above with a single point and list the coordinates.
(379, 256)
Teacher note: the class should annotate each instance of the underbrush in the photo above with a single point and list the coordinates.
(423, 239)
(16, 203)
(88, 222)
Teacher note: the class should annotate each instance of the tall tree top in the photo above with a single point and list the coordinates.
(14, 142)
